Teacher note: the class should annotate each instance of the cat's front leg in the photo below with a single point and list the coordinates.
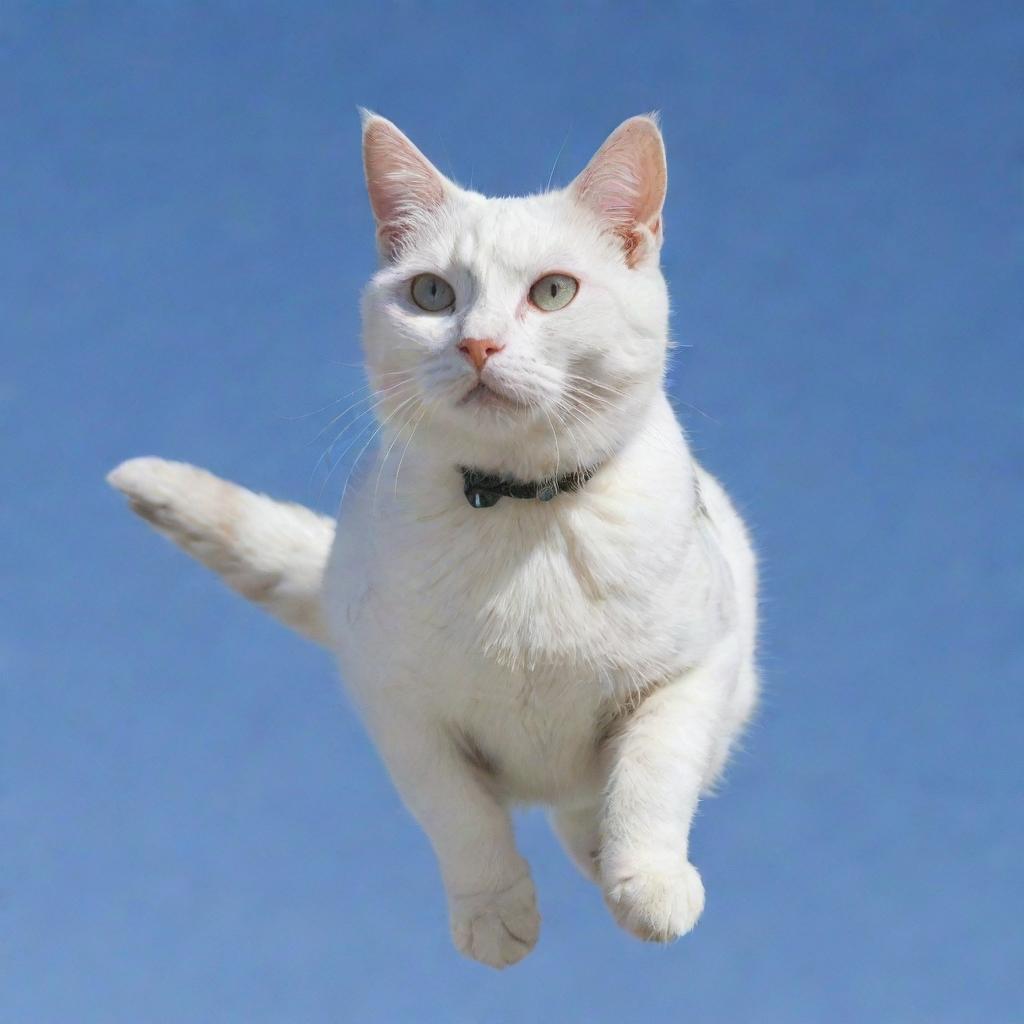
(491, 901)
(658, 761)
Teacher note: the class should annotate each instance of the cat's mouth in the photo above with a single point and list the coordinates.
(486, 396)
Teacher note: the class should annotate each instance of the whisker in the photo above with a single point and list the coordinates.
(394, 373)
(586, 402)
(316, 412)
(427, 407)
(565, 426)
(329, 450)
(696, 409)
(359, 419)
(362, 451)
(332, 464)
(590, 382)
(558, 156)
(554, 437)
(394, 441)
(576, 418)
(372, 398)
(575, 389)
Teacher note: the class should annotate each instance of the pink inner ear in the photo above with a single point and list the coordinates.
(625, 182)
(401, 181)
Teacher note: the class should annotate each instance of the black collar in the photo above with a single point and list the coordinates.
(483, 490)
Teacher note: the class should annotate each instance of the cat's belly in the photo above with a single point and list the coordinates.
(537, 733)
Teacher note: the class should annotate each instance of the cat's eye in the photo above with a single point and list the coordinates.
(553, 291)
(432, 293)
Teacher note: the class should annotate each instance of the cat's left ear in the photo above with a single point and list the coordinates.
(625, 184)
(402, 183)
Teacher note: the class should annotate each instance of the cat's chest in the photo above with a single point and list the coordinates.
(530, 589)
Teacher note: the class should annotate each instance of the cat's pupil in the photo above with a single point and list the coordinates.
(554, 289)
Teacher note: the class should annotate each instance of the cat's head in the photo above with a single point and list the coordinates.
(523, 336)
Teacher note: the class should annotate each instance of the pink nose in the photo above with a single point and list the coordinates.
(479, 350)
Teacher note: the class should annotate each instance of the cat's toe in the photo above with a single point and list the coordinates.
(656, 905)
(497, 929)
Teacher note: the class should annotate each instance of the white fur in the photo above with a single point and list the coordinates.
(594, 653)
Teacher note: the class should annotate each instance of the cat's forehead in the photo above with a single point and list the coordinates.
(517, 233)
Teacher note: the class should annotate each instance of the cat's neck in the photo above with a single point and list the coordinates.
(652, 452)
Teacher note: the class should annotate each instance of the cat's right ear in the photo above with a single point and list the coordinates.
(402, 183)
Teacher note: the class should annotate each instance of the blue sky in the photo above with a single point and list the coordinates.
(195, 828)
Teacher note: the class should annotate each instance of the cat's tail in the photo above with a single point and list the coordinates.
(272, 552)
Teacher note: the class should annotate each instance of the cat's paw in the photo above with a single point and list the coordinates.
(656, 903)
(497, 929)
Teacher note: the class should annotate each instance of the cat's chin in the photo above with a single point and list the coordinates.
(486, 396)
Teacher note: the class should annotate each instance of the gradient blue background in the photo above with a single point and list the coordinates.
(194, 826)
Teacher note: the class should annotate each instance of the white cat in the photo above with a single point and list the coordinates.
(594, 650)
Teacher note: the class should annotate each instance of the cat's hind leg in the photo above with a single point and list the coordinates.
(734, 720)
(578, 827)
(492, 906)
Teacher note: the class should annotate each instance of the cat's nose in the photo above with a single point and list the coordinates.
(479, 350)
